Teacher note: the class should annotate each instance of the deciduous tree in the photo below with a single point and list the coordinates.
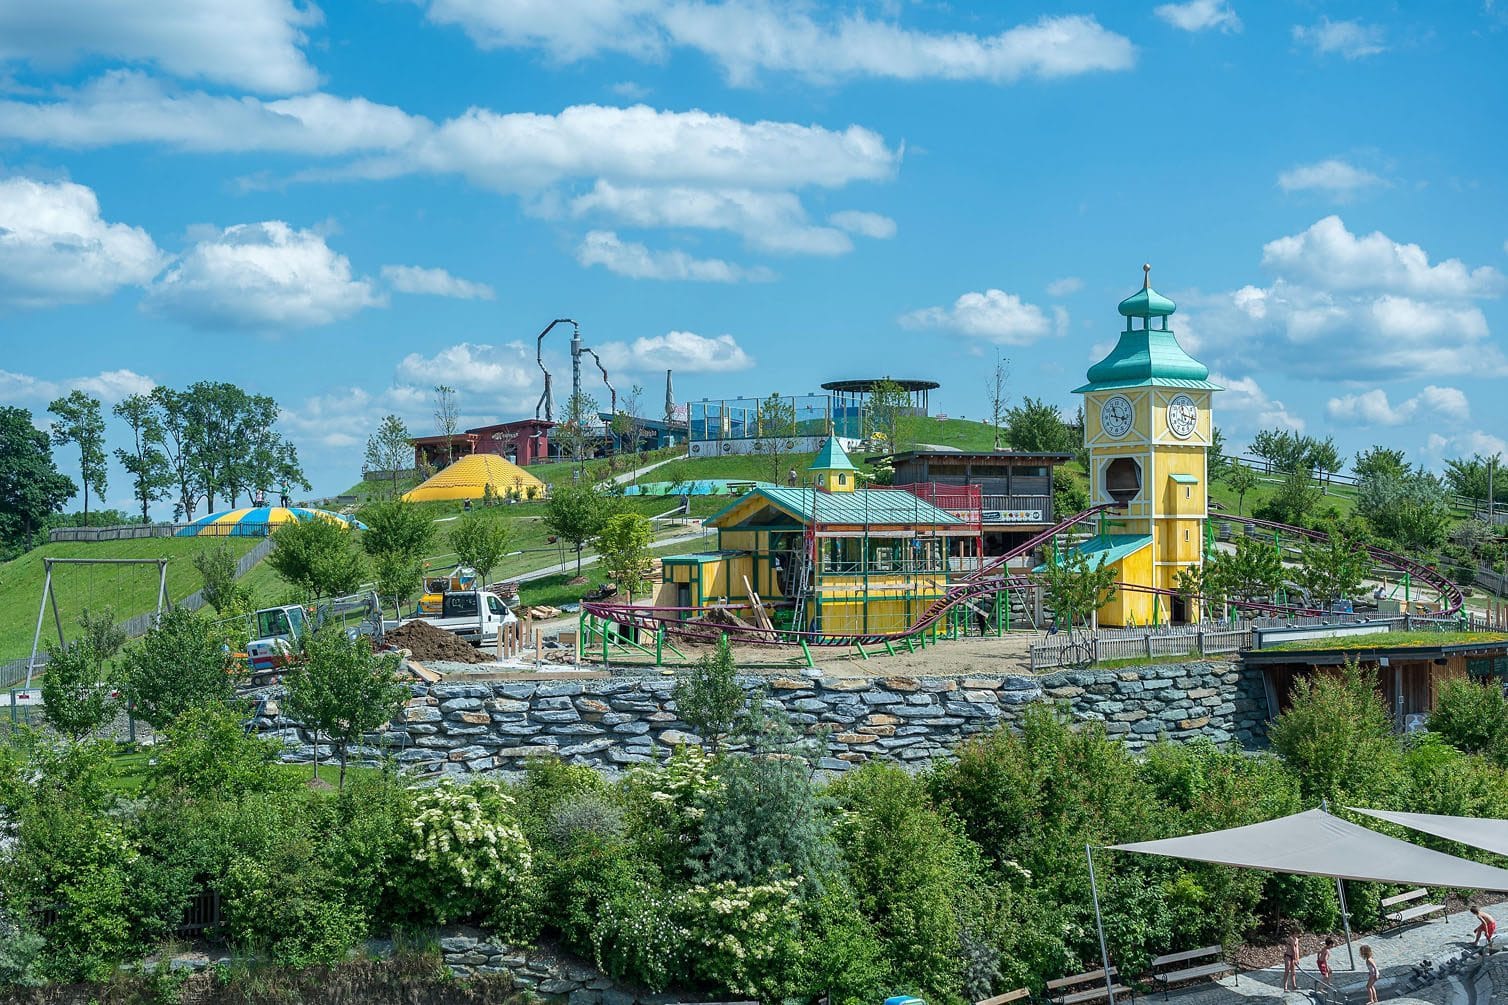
(480, 542)
(1078, 585)
(775, 429)
(1241, 480)
(78, 689)
(998, 396)
(389, 449)
(79, 422)
(343, 689)
(1038, 427)
(317, 557)
(1375, 461)
(623, 546)
(575, 513)
(145, 461)
(447, 418)
(1333, 569)
(176, 665)
(708, 696)
(887, 404)
(31, 487)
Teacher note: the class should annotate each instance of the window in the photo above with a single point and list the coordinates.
(1188, 493)
(496, 606)
(1122, 479)
(842, 479)
(459, 605)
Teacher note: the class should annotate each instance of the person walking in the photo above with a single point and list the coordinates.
(1322, 962)
(1366, 954)
(1486, 925)
(1291, 961)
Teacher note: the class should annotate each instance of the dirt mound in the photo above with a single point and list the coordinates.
(427, 642)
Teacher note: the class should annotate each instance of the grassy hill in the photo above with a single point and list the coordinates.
(128, 589)
(960, 434)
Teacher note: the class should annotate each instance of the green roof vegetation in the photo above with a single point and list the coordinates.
(1390, 640)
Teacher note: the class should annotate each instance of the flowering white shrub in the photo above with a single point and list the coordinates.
(466, 848)
(742, 935)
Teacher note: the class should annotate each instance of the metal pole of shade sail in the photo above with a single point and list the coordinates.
(1099, 924)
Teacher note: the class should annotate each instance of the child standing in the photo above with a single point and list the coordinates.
(1322, 961)
(1366, 954)
(1486, 925)
(1291, 961)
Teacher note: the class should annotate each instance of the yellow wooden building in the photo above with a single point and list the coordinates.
(1147, 424)
(843, 560)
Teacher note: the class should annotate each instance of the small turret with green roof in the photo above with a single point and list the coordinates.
(834, 471)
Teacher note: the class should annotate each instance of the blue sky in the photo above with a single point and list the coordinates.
(344, 205)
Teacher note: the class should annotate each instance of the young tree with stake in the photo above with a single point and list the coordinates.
(480, 542)
(343, 689)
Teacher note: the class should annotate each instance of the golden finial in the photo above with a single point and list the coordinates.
(1146, 276)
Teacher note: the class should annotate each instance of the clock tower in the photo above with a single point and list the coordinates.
(1147, 425)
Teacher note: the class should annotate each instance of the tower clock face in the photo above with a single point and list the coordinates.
(1183, 416)
(1116, 415)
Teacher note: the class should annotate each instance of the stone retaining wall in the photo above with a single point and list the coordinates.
(615, 723)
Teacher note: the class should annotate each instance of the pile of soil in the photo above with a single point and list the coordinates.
(426, 642)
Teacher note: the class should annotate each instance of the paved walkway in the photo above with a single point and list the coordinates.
(1460, 976)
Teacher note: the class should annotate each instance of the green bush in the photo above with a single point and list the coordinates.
(1473, 717)
(1338, 738)
(178, 664)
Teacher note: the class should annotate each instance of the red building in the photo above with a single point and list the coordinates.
(524, 442)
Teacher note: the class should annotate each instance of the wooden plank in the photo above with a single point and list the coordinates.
(1009, 996)
(1190, 954)
(424, 672)
(1068, 982)
(1405, 897)
(1188, 974)
(1091, 995)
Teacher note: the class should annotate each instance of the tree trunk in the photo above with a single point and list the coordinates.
(342, 766)
(86, 499)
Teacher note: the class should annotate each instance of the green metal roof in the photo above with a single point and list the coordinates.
(865, 506)
(1184, 479)
(1107, 549)
(832, 457)
(699, 557)
(1146, 356)
(1146, 303)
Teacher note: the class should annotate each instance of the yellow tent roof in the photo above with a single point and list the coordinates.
(468, 477)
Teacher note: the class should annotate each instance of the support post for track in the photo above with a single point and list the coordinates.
(659, 645)
(888, 649)
(807, 653)
(862, 653)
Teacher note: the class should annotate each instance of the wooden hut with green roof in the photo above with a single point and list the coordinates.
(840, 558)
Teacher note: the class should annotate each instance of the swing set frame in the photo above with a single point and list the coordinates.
(50, 597)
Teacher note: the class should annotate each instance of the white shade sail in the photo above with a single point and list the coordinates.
(1478, 832)
(1316, 843)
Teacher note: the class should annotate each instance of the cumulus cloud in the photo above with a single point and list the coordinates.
(683, 352)
(1066, 286)
(1328, 253)
(1465, 443)
(1372, 408)
(1333, 177)
(110, 386)
(56, 248)
(769, 221)
(434, 283)
(265, 276)
(748, 37)
(1200, 15)
(864, 224)
(636, 261)
(1349, 39)
(479, 368)
(1250, 408)
(258, 47)
(994, 315)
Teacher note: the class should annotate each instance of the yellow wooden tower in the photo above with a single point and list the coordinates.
(1147, 425)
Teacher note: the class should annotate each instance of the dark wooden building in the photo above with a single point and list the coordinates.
(1015, 488)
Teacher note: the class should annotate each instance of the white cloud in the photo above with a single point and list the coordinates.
(264, 276)
(56, 248)
(1464, 443)
(683, 352)
(434, 282)
(994, 315)
(750, 36)
(110, 386)
(504, 370)
(1372, 407)
(1250, 408)
(636, 261)
(1334, 177)
(864, 224)
(1350, 39)
(629, 90)
(769, 221)
(1066, 286)
(256, 45)
(1200, 15)
(1329, 254)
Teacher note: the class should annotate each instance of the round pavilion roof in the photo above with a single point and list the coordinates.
(868, 384)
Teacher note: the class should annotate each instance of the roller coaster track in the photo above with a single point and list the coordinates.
(986, 582)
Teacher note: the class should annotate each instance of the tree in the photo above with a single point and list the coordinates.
(886, 405)
(77, 689)
(1069, 493)
(145, 461)
(390, 448)
(775, 428)
(480, 542)
(343, 689)
(577, 436)
(1472, 476)
(1282, 449)
(1473, 716)
(576, 513)
(1379, 461)
(217, 568)
(1333, 569)
(172, 411)
(628, 421)
(31, 487)
(1216, 464)
(1324, 457)
(447, 418)
(1337, 736)
(1037, 427)
(80, 422)
(1075, 587)
(318, 557)
(178, 664)
(623, 547)
(708, 696)
(1254, 571)
(1295, 498)
(997, 395)
(1410, 510)
(1241, 480)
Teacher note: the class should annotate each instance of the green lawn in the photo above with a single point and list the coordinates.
(128, 589)
(557, 590)
(132, 769)
(1340, 497)
(1392, 640)
(961, 434)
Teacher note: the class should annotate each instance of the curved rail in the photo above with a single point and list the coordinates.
(981, 583)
